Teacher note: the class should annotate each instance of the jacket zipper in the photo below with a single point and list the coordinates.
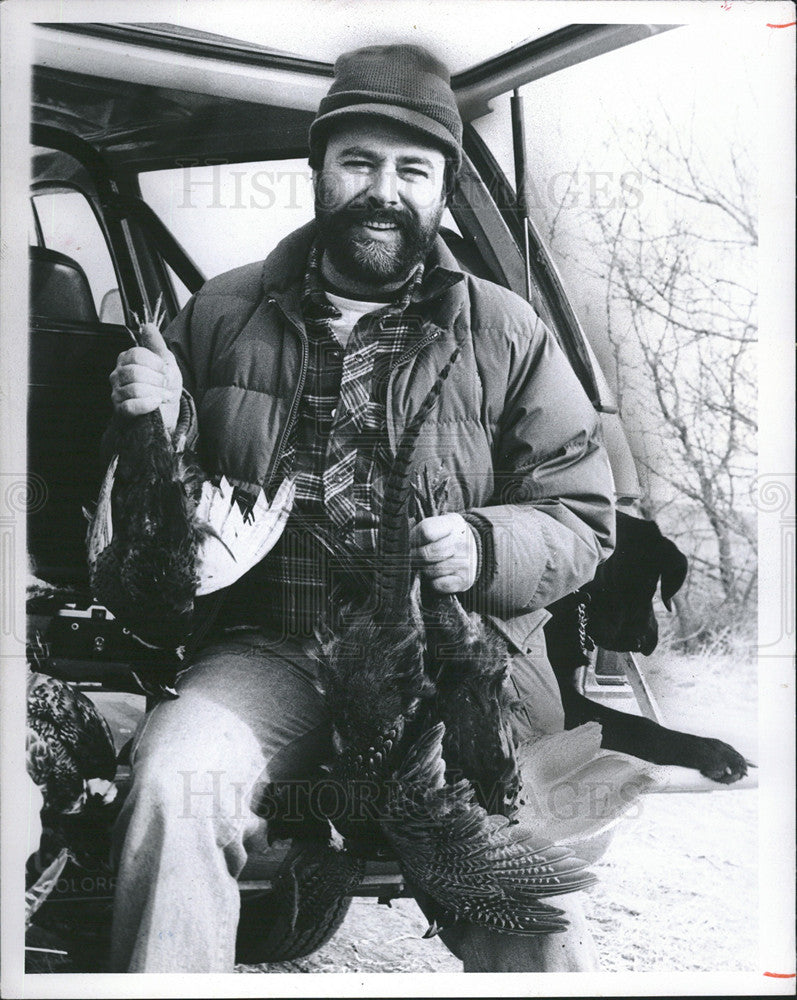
(219, 599)
(409, 353)
(297, 396)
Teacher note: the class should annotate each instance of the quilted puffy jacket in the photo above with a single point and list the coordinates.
(513, 431)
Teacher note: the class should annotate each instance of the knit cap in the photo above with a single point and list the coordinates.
(399, 83)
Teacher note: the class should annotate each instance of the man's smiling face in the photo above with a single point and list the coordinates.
(378, 203)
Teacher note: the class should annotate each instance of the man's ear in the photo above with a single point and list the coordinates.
(450, 180)
(674, 566)
(322, 192)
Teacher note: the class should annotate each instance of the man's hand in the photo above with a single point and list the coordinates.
(445, 551)
(146, 378)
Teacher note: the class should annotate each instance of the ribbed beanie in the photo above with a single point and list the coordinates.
(399, 83)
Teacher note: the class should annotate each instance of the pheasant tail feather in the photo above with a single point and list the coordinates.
(393, 582)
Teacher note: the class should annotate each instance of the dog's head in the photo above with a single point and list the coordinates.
(621, 614)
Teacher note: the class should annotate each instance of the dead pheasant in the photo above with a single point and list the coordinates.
(468, 663)
(144, 537)
(419, 719)
(70, 750)
(71, 760)
(162, 533)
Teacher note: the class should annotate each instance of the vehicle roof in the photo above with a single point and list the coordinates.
(146, 94)
(463, 33)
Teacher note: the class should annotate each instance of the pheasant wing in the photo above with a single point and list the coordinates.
(573, 791)
(235, 543)
(100, 532)
(474, 865)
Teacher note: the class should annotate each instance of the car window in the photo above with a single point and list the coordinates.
(67, 224)
(181, 292)
(228, 214)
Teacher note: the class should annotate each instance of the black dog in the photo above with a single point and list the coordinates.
(615, 612)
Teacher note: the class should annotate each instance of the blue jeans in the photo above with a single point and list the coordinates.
(250, 711)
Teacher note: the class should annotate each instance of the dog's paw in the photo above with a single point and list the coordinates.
(720, 762)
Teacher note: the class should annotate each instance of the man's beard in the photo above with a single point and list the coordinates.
(362, 258)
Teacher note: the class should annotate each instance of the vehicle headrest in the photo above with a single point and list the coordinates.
(59, 288)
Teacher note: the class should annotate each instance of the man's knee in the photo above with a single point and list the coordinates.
(187, 790)
(192, 764)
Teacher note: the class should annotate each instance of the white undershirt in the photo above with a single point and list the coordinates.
(351, 311)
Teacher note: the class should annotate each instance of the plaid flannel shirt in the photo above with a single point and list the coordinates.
(338, 450)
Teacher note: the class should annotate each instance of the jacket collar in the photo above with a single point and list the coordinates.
(442, 291)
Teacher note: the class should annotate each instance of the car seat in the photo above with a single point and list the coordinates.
(59, 288)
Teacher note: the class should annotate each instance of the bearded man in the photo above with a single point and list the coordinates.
(308, 366)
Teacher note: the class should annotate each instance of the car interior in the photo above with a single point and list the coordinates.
(94, 135)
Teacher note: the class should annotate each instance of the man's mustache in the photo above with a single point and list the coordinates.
(353, 215)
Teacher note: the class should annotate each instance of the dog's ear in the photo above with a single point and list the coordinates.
(674, 565)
